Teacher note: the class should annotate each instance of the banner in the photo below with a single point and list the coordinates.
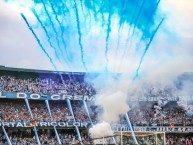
(124, 127)
(37, 96)
(158, 98)
(45, 124)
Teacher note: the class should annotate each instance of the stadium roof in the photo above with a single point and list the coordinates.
(36, 70)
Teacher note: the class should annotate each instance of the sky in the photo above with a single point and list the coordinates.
(169, 54)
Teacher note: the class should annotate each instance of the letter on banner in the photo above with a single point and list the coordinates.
(88, 98)
(62, 124)
(68, 124)
(35, 96)
(76, 124)
(78, 97)
(43, 124)
(68, 97)
(84, 124)
(53, 124)
(11, 124)
(19, 124)
(55, 97)
(6, 124)
(1, 95)
(22, 95)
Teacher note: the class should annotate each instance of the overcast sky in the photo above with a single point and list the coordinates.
(172, 49)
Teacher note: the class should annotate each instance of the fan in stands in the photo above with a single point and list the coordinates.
(151, 114)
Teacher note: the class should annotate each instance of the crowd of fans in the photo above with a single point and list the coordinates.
(148, 113)
(45, 86)
(171, 139)
(179, 139)
(16, 110)
(70, 137)
(144, 140)
(143, 114)
(13, 110)
(2, 138)
(26, 137)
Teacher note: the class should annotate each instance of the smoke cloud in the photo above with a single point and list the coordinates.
(102, 129)
(185, 92)
(112, 94)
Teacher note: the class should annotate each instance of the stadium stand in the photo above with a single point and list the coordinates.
(24, 87)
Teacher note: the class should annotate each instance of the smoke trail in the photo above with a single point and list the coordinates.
(118, 42)
(80, 36)
(128, 37)
(134, 22)
(52, 24)
(107, 37)
(43, 49)
(57, 39)
(138, 14)
(56, 17)
(122, 18)
(102, 13)
(122, 14)
(62, 29)
(81, 3)
(146, 49)
(137, 17)
(45, 30)
(41, 46)
(66, 8)
(37, 39)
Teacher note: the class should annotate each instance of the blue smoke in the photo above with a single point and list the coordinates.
(45, 30)
(137, 17)
(66, 23)
(38, 41)
(41, 46)
(60, 25)
(52, 24)
(80, 35)
(146, 49)
(58, 50)
(107, 37)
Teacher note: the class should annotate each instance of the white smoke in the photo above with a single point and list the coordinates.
(112, 94)
(100, 130)
(113, 103)
(185, 92)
